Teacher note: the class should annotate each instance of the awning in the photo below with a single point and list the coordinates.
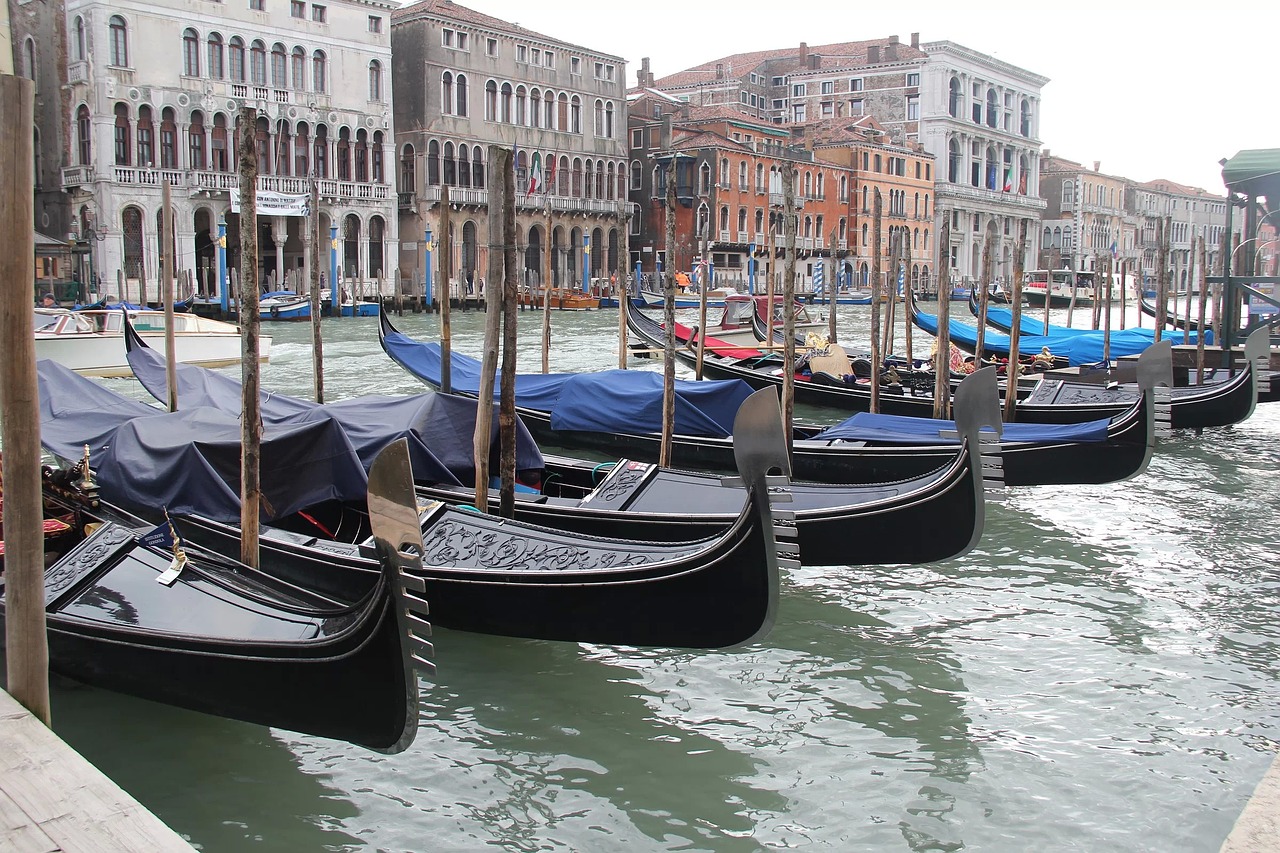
(1254, 173)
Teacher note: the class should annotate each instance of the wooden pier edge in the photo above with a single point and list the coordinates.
(1258, 827)
(53, 799)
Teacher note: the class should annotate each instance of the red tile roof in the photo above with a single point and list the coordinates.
(848, 54)
(461, 14)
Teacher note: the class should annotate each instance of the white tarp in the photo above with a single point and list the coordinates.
(276, 204)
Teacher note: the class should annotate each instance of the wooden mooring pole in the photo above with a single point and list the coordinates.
(1203, 286)
(942, 353)
(877, 293)
(26, 643)
(335, 298)
(247, 305)
(166, 296)
(500, 173)
(546, 296)
(1015, 331)
(444, 284)
(507, 404)
(669, 324)
(789, 223)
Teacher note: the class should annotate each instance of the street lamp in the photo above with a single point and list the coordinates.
(91, 235)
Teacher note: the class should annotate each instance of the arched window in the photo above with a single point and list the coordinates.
(991, 107)
(608, 120)
(522, 101)
(926, 244)
(821, 185)
(84, 135)
(168, 140)
(535, 108)
(588, 185)
(362, 156)
(477, 168)
(505, 104)
(408, 170)
(301, 150)
(609, 181)
(562, 112)
(218, 143)
(215, 56)
(322, 151)
(1024, 124)
(319, 72)
(190, 53)
(146, 137)
(196, 157)
(298, 61)
(433, 163)
(599, 125)
(759, 223)
(1047, 238)
(279, 66)
(343, 154)
(446, 93)
(119, 42)
(575, 115)
(548, 110)
(450, 167)
(491, 101)
(235, 53)
(742, 220)
(79, 39)
(464, 166)
(808, 185)
(562, 177)
(131, 231)
(577, 178)
(956, 99)
(377, 173)
(375, 80)
(258, 63)
(460, 84)
(376, 230)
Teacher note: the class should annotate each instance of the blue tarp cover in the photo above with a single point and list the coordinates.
(1078, 346)
(900, 429)
(189, 461)
(440, 428)
(609, 401)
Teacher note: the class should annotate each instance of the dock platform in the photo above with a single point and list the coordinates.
(52, 799)
(1258, 827)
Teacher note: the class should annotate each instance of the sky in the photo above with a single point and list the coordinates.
(1151, 90)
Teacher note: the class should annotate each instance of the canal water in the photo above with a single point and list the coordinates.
(1099, 674)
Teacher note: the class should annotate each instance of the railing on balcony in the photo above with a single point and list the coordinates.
(775, 200)
(148, 176)
(724, 235)
(76, 176)
(406, 201)
(842, 245)
(78, 72)
(742, 236)
(239, 90)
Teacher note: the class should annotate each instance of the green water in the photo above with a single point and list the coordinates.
(1099, 674)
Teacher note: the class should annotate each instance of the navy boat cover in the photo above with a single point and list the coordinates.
(189, 461)
(609, 401)
(440, 428)
(901, 429)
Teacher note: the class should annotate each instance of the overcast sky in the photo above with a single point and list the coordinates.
(1152, 90)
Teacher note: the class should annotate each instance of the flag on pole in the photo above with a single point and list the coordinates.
(1008, 179)
(536, 184)
(551, 172)
(1115, 249)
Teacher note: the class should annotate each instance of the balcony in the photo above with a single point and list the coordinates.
(76, 176)
(742, 237)
(407, 201)
(148, 176)
(78, 72)
(724, 236)
(775, 200)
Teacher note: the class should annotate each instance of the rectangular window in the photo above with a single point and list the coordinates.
(797, 113)
(827, 109)
(777, 81)
(575, 65)
(608, 73)
(491, 47)
(536, 57)
(855, 84)
(446, 38)
(318, 13)
(258, 5)
(548, 59)
(797, 90)
(913, 79)
(755, 78)
(754, 101)
(522, 53)
(462, 42)
(375, 24)
(637, 138)
(913, 108)
(297, 9)
(828, 87)
(742, 96)
(599, 70)
(855, 107)
(777, 103)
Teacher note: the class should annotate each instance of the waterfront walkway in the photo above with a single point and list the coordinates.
(1258, 828)
(52, 799)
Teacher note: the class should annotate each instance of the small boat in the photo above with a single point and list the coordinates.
(1110, 448)
(92, 342)
(561, 299)
(481, 573)
(1049, 400)
(1063, 288)
(685, 297)
(349, 307)
(131, 609)
(635, 500)
(284, 305)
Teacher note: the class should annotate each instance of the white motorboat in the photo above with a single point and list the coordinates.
(92, 342)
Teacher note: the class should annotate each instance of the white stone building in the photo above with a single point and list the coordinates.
(980, 119)
(155, 91)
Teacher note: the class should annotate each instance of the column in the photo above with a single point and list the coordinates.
(279, 233)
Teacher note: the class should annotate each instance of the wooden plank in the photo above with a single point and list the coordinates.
(48, 790)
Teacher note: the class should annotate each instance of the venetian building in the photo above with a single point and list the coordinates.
(155, 89)
(466, 80)
(980, 119)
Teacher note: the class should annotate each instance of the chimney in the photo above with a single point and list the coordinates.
(891, 51)
(804, 54)
(873, 54)
(915, 40)
(814, 59)
(1097, 164)
(1045, 153)
(645, 75)
(664, 139)
(893, 39)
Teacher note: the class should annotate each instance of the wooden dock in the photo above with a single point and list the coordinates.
(52, 799)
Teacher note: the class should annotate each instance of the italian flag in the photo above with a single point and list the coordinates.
(1008, 180)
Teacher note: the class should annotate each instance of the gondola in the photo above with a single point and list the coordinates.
(482, 573)
(636, 500)
(1100, 452)
(225, 639)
